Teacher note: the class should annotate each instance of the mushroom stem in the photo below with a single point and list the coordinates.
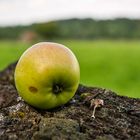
(94, 109)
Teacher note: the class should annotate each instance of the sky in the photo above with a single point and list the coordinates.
(14, 12)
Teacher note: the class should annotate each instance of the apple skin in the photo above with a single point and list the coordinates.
(47, 75)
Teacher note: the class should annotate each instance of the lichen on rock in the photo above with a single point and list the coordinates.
(56, 128)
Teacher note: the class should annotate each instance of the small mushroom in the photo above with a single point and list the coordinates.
(96, 103)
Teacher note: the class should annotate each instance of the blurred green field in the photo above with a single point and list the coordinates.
(104, 63)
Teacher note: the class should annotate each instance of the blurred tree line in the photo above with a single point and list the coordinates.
(77, 28)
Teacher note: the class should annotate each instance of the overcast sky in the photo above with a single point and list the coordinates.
(14, 12)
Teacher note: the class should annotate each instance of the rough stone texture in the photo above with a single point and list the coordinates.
(56, 128)
(118, 119)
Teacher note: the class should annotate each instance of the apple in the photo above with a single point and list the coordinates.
(47, 75)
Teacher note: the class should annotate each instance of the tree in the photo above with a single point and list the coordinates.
(46, 30)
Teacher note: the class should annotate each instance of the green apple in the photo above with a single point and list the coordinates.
(47, 75)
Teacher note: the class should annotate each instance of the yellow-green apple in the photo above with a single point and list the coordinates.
(47, 75)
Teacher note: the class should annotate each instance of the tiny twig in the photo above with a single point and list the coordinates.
(89, 98)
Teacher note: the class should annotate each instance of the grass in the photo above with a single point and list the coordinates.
(10, 51)
(104, 63)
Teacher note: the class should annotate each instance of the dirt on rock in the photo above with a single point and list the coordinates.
(117, 119)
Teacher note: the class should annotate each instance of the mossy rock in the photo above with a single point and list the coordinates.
(118, 119)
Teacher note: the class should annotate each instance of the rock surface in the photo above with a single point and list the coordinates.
(118, 119)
